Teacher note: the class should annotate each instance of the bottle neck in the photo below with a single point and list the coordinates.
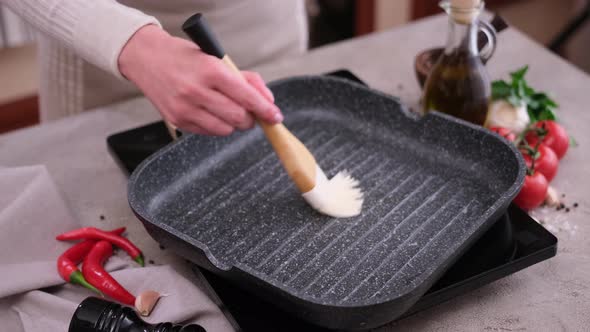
(462, 37)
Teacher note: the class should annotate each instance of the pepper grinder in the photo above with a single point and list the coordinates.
(98, 315)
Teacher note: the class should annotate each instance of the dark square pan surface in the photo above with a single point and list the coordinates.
(433, 186)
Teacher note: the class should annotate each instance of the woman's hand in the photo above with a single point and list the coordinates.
(193, 90)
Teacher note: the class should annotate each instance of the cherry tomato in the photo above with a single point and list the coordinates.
(533, 191)
(556, 137)
(546, 162)
(504, 132)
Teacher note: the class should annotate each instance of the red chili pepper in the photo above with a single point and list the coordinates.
(101, 279)
(97, 234)
(68, 261)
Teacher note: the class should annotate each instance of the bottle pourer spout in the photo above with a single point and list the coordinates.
(463, 11)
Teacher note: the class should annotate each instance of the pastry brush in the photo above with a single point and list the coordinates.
(337, 197)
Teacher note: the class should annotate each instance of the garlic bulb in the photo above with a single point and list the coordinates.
(503, 114)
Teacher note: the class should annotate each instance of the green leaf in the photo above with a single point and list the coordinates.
(539, 96)
(573, 142)
(546, 114)
(514, 100)
(517, 88)
(545, 100)
(500, 89)
(533, 104)
(521, 89)
(532, 115)
(517, 92)
(528, 90)
(519, 74)
(549, 102)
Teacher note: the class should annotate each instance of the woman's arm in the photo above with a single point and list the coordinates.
(195, 91)
(96, 30)
(191, 89)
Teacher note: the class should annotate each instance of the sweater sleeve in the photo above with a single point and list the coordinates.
(97, 30)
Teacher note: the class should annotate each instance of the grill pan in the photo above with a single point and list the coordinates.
(433, 185)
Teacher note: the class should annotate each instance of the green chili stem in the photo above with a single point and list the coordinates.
(139, 259)
(77, 278)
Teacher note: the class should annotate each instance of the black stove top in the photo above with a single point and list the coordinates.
(513, 243)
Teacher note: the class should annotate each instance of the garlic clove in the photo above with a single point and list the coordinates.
(146, 301)
(552, 197)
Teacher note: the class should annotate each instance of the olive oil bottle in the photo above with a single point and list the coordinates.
(459, 84)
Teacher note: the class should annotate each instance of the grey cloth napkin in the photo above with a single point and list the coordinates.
(34, 298)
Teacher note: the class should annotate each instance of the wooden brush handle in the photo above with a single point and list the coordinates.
(295, 157)
(171, 130)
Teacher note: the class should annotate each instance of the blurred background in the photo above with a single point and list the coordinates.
(561, 25)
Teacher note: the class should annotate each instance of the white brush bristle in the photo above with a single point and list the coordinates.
(338, 197)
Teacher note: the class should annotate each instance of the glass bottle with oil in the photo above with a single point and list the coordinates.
(459, 84)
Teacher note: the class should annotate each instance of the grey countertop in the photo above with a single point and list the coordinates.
(551, 296)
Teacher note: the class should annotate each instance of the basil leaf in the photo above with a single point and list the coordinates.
(532, 115)
(500, 89)
(533, 103)
(514, 100)
(517, 92)
(551, 103)
(519, 74)
(528, 90)
(520, 88)
(546, 114)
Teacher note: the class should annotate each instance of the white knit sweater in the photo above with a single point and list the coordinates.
(81, 40)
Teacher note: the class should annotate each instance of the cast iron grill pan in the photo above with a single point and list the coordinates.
(433, 185)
